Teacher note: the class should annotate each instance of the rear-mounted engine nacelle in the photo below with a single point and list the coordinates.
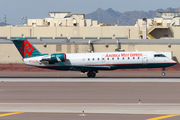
(55, 58)
(58, 57)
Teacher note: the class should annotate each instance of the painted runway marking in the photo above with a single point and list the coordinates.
(13, 113)
(163, 117)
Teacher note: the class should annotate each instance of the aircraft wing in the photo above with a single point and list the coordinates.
(90, 67)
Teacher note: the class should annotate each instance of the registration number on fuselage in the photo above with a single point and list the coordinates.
(33, 61)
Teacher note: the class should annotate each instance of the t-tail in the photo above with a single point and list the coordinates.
(25, 48)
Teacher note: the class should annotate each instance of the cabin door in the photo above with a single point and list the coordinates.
(144, 60)
(103, 58)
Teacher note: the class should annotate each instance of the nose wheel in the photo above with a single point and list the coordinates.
(163, 73)
(91, 74)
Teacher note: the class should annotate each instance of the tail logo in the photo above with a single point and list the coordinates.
(26, 47)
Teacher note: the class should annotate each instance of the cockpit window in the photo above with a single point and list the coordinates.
(159, 55)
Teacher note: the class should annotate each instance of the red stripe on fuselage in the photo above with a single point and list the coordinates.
(131, 64)
(111, 64)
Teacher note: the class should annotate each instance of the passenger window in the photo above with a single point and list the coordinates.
(98, 59)
(93, 59)
(88, 59)
(117, 58)
(102, 58)
(138, 57)
(112, 58)
(133, 57)
(107, 58)
(123, 58)
(128, 57)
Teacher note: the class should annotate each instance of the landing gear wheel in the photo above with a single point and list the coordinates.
(91, 74)
(163, 73)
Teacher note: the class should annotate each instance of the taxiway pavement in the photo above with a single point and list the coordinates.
(93, 97)
(101, 74)
(99, 98)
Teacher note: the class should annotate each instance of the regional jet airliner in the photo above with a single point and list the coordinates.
(91, 62)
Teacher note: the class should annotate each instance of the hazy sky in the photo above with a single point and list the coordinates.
(33, 9)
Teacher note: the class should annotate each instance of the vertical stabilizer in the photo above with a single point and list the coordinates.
(25, 48)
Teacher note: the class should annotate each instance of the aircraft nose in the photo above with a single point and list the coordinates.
(170, 61)
(173, 62)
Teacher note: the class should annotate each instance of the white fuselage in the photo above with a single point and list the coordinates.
(107, 60)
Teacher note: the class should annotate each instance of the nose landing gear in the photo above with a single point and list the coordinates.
(163, 73)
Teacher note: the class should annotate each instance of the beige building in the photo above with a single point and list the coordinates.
(66, 25)
(112, 32)
(62, 19)
(167, 26)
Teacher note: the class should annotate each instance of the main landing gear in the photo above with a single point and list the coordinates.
(163, 73)
(91, 74)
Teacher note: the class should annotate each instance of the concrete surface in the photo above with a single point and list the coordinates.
(101, 74)
(79, 116)
(105, 108)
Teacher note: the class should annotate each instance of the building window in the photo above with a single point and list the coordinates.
(58, 48)
(166, 35)
(33, 23)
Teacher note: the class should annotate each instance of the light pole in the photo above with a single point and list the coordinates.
(22, 20)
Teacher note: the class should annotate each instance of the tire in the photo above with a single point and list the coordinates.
(89, 74)
(93, 74)
(163, 73)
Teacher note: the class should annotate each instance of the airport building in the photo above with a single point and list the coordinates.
(64, 32)
(73, 26)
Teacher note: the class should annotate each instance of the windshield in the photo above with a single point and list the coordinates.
(159, 55)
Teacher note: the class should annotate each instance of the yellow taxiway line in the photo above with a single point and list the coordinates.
(13, 113)
(163, 117)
